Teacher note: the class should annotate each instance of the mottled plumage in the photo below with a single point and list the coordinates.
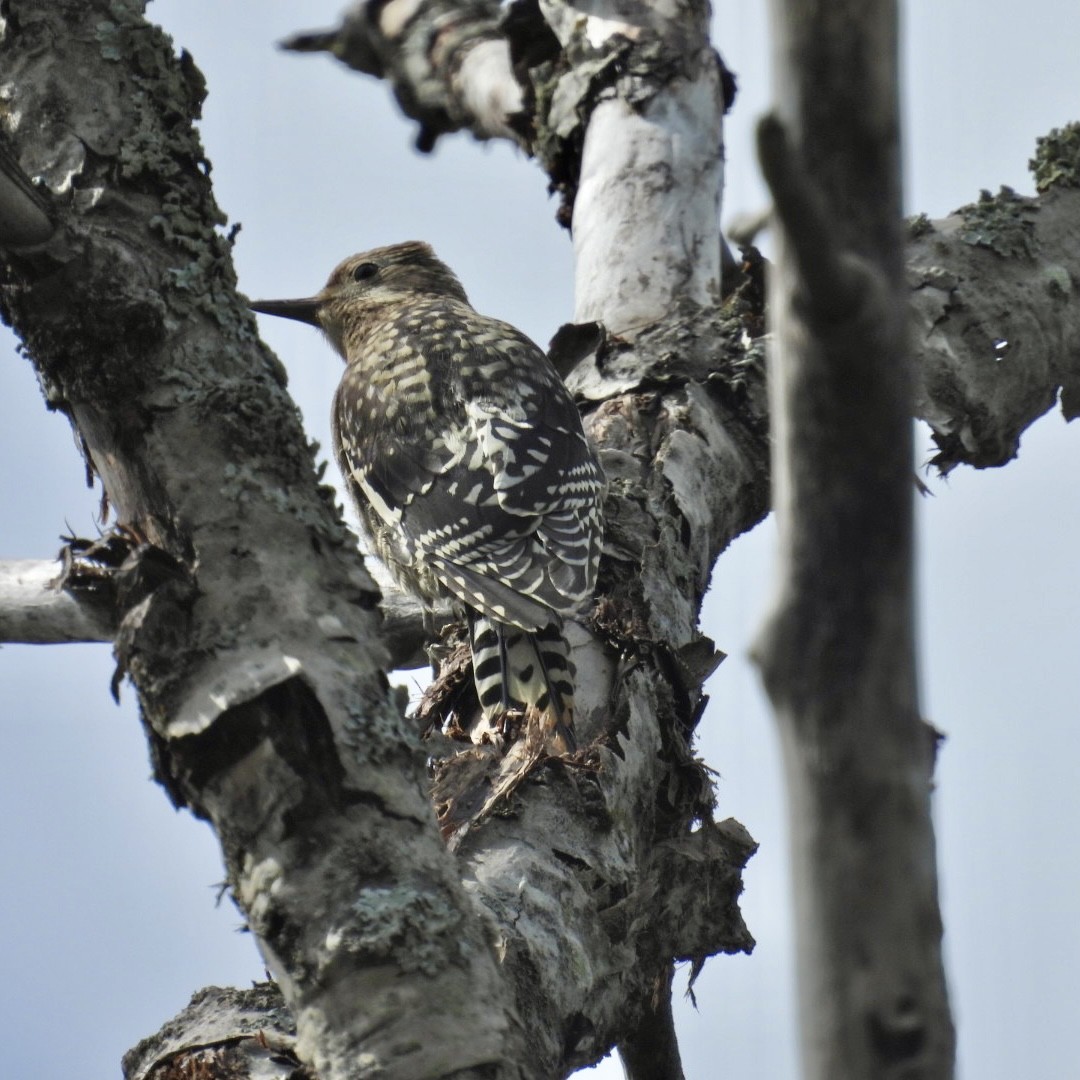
(466, 458)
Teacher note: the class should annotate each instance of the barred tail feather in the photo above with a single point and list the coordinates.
(515, 668)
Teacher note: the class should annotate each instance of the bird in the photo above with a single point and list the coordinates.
(471, 473)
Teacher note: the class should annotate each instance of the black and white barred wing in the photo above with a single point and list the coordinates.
(512, 534)
(546, 472)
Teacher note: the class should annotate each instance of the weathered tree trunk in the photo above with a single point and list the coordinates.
(838, 651)
(249, 627)
(246, 617)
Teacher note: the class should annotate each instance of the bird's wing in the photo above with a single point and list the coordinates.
(531, 436)
(499, 499)
(544, 471)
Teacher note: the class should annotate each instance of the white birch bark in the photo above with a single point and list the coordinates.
(246, 616)
(246, 623)
(646, 210)
(35, 609)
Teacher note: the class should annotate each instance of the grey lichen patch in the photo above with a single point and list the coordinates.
(243, 484)
(376, 729)
(919, 225)
(413, 930)
(1058, 281)
(159, 153)
(161, 93)
(206, 281)
(1003, 223)
(109, 37)
(259, 424)
(1057, 158)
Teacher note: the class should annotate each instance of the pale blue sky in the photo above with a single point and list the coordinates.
(108, 910)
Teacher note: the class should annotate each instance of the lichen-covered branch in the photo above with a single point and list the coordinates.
(248, 623)
(246, 619)
(249, 626)
(837, 652)
(996, 331)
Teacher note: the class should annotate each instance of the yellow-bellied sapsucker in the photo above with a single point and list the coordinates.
(470, 470)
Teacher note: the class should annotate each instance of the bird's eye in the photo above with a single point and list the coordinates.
(364, 271)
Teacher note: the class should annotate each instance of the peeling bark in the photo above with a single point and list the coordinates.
(249, 626)
(648, 182)
(549, 935)
(264, 702)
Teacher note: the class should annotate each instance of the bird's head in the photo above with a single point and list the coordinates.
(359, 286)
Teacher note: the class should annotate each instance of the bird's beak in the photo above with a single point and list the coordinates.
(306, 310)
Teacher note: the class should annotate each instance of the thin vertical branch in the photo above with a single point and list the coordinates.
(837, 653)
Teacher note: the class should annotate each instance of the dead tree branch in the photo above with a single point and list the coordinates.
(837, 653)
(247, 622)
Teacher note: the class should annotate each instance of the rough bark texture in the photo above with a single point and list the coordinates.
(997, 326)
(265, 702)
(223, 1032)
(549, 936)
(541, 943)
(837, 653)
